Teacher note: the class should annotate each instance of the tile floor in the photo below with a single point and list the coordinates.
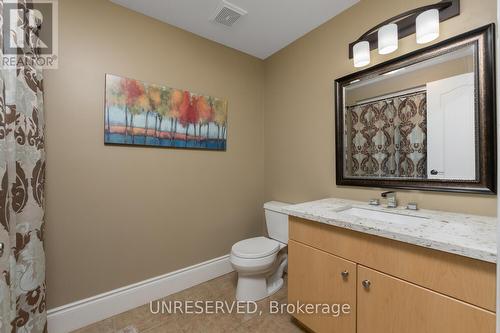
(141, 319)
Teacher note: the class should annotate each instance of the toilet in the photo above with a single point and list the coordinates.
(258, 261)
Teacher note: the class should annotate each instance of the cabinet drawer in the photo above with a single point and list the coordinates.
(391, 305)
(469, 280)
(315, 277)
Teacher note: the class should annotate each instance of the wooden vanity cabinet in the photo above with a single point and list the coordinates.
(318, 278)
(392, 287)
(391, 305)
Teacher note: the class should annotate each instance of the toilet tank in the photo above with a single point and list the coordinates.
(276, 221)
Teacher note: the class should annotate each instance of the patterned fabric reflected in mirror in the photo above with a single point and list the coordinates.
(387, 138)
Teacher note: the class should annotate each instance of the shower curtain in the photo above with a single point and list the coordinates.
(22, 174)
(387, 138)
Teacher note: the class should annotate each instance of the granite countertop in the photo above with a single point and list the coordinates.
(471, 236)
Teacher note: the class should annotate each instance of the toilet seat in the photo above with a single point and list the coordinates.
(254, 248)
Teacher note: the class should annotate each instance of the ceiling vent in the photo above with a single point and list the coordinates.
(228, 14)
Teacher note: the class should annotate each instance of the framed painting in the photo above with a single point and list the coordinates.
(142, 114)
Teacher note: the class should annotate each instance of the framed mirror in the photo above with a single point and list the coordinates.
(425, 120)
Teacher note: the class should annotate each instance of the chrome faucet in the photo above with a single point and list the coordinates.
(392, 202)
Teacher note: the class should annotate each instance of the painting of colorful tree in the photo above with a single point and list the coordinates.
(142, 114)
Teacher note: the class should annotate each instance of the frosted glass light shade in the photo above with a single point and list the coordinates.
(388, 39)
(361, 54)
(427, 26)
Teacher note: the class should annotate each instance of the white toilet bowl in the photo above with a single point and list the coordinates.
(258, 261)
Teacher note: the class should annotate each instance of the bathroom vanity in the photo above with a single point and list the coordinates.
(399, 270)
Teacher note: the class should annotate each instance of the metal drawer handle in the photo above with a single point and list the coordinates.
(366, 284)
(1, 249)
(345, 274)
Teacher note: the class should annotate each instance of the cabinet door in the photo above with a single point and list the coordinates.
(389, 305)
(317, 277)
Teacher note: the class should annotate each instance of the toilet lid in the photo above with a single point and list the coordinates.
(254, 248)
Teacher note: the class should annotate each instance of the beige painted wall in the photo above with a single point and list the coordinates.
(119, 215)
(299, 106)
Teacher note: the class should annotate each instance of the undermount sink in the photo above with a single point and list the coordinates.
(380, 216)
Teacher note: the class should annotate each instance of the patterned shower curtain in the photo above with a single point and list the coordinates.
(387, 138)
(22, 174)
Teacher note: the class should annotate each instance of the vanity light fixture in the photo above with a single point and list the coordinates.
(424, 21)
(361, 54)
(427, 26)
(388, 38)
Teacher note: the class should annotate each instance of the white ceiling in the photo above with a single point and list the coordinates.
(269, 26)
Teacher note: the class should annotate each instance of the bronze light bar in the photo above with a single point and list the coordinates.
(406, 22)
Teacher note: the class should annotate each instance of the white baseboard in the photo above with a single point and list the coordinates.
(87, 311)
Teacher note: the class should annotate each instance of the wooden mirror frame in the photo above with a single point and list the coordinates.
(484, 40)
